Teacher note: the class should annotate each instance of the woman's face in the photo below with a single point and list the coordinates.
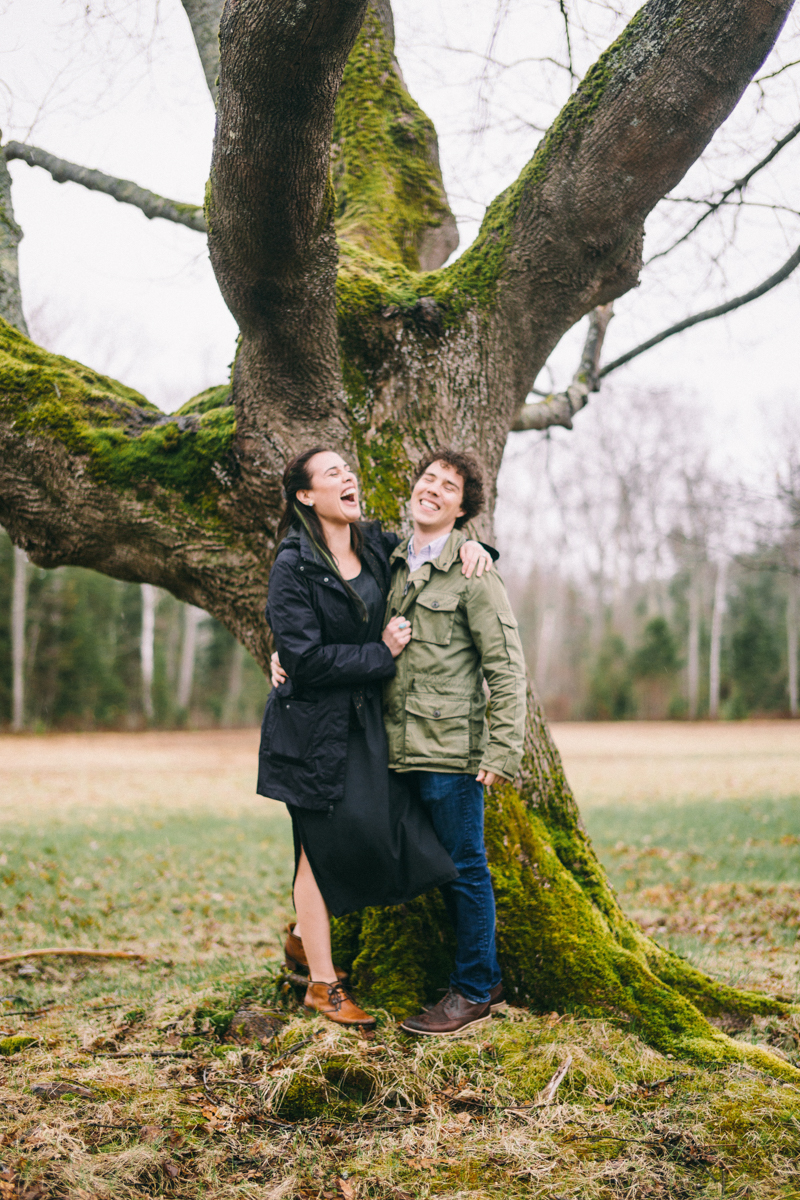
(334, 489)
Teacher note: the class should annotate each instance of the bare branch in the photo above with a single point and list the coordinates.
(773, 281)
(122, 190)
(10, 238)
(559, 408)
(738, 185)
(204, 17)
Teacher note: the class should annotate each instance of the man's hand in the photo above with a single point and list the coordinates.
(487, 778)
(473, 556)
(397, 635)
(277, 672)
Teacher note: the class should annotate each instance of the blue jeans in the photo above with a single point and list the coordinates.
(455, 804)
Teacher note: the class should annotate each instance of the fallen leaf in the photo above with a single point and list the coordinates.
(347, 1189)
(149, 1133)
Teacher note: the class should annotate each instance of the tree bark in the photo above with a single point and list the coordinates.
(349, 344)
(147, 647)
(18, 611)
(716, 637)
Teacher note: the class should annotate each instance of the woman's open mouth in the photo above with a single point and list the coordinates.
(350, 497)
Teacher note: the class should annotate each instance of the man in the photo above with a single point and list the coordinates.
(463, 632)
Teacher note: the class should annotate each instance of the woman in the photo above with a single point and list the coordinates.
(361, 837)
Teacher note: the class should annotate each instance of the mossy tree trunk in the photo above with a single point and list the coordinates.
(328, 226)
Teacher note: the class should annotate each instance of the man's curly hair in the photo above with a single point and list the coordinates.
(470, 471)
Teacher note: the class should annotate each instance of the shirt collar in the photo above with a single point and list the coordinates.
(427, 553)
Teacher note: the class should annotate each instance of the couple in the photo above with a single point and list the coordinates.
(375, 734)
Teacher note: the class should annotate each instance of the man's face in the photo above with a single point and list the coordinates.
(436, 500)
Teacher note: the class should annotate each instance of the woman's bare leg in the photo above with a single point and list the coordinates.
(314, 921)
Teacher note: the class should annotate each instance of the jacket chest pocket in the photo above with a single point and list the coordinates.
(289, 729)
(433, 618)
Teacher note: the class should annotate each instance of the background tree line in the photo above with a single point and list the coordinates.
(653, 576)
(97, 653)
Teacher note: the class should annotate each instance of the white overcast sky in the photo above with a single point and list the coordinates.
(116, 85)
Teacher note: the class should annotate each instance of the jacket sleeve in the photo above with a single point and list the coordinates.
(307, 662)
(494, 631)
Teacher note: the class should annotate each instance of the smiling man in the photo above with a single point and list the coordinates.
(463, 633)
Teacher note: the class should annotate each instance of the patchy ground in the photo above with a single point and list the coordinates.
(192, 1073)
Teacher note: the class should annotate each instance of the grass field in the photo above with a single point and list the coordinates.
(156, 843)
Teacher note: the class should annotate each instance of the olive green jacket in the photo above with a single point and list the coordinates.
(463, 631)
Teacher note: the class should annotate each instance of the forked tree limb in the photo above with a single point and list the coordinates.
(780, 275)
(560, 407)
(123, 190)
(71, 952)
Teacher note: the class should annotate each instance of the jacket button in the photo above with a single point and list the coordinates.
(436, 712)
(325, 580)
(435, 604)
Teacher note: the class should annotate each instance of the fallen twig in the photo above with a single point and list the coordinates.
(72, 952)
(292, 1049)
(140, 1053)
(548, 1092)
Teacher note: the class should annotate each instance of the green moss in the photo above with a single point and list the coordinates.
(383, 155)
(385, 470)
(13, 1045)
(113, 427)
(220, 396)
(336, 1087)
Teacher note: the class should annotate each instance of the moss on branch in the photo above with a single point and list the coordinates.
(384, 160)
(126, 442)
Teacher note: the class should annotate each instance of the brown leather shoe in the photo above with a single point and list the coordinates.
(333, 1001)
(451, 1016)
(295, 955)
(497, 998)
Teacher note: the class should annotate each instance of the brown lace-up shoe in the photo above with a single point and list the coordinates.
(497, 998)
(451, 1016)
(334, 1001)
(295, 955)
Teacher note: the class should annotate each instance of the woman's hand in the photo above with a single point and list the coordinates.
(473, 556)
(277, 672)
(397, 635)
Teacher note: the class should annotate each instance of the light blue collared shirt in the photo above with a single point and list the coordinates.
(427, 553)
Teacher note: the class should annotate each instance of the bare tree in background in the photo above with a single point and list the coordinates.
(192, 617)
(147, 646)
(328, 226)
(18, 608)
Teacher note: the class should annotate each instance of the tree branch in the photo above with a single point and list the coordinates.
(559, 408)
(10, 238)
(783, 273)
(122, 190)
(738, 185)
(204, 18)
(567, 235)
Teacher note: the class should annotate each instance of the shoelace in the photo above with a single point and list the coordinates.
(337, 994)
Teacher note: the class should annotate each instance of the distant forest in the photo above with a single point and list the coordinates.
(652, 579)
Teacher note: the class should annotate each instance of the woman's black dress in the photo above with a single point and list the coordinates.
(376, 846)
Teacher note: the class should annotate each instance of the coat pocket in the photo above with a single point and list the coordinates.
(437, 728)
(433, 618)
(289, 728)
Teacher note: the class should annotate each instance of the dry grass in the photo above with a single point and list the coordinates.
(157, 842)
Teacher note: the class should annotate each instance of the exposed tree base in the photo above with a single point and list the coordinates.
(563, 942)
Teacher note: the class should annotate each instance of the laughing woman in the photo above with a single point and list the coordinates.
(361, 836)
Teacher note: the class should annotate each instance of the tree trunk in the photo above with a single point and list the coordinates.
(693, 665)
(147, 647)
(18, 610)
(192, 616)
(233, 694)
(716, 637)
(791, 644)
(324, 206)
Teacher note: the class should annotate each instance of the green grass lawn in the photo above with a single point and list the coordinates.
(168, 1104)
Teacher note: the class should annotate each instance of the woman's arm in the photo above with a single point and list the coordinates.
(307, 661)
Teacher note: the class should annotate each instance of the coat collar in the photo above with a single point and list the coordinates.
(447, 557)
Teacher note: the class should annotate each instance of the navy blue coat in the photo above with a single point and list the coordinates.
(320, 636)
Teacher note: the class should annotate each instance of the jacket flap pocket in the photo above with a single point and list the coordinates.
(508, 618)
(436, 708)
(289, 728)
(438, 601)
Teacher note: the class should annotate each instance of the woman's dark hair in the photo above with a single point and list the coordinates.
(296, 515)
(470, 471)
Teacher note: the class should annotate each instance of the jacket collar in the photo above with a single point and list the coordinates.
(447, 557)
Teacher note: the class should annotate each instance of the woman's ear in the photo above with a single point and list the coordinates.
(305, 498)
